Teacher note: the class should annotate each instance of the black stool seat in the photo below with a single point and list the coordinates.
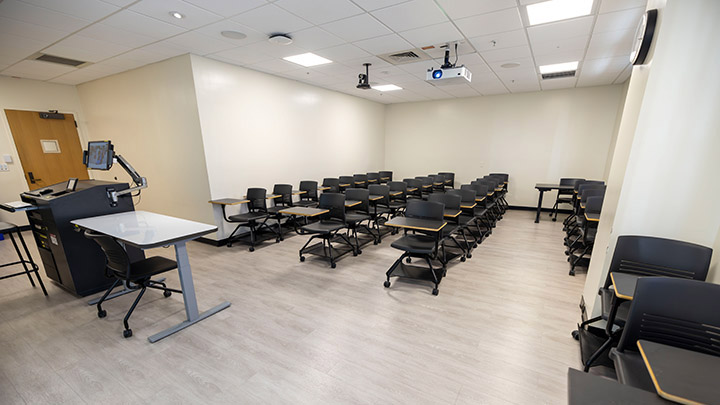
(415, 244)
(151, 266)
(324, 226)
(248, 216)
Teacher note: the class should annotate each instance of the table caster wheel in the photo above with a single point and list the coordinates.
(302, 258)
(102, 313)
(127, 333)
(333, 265)
(462, 259)
(167, 293)
(435, 291)
(386, 284)
(252, 249)
(576, 335)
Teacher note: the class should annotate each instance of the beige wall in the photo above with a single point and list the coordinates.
(150, 115)
(535, 137)
(259, 130)
(23, 94)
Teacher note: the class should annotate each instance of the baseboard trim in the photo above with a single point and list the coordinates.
(212, 242)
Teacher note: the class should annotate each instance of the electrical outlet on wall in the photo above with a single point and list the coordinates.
(4, 167)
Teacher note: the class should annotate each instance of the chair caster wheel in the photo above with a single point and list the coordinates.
(127, 333)
(435, 291)
(355, 253)
(407, 260)
(359, 251)
(469, 256)
(252, 249)
(167, 293)
(554, 219)
(386, 284)
(576, 335)
(333, 265)
(277, 240)
(375, 242)
(462, 259)
(572, 273)
(302, 258)
(102, 313)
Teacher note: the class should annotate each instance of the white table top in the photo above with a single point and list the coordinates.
(145, 229)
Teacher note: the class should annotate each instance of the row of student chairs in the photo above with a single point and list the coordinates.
(671, 304)
(586, 198)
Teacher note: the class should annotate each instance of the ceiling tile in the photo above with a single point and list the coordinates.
(560, 45)
(384, 44)
(119, 3)
(160, 9)
(304, 74)
(163, 49)
(559, 57)
(609, 66)
(500, 40)
(38, 70)
(437, 50)
(337, 69)
(374, 60)
(609, 44)
(274, 66)
(624, 75)
(357, 28)
(271, 19)
(433, 34)
(315, 38)
(241, 56)
(103, 32)
(418, 69)
(491, 23)
(227, 8)
(214, 30)
(619, 20)
(587, 79)
(277, 51)
(488, 85)
(86, 49)
(16, 48)
(614, 5)
(35, 32)
(199, 44)
(320, 12)
(85, 9)
(369, 5)
(41, 16)
(411, 15)
(459, 90)
(461, 9)
(560, 30)
(342, 53)
(524, 64)
(141, 24)
(517, 52)
(560, 83)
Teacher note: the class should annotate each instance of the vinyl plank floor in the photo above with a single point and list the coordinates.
(498, 332)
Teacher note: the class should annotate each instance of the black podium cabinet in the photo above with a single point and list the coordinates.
(70, 259)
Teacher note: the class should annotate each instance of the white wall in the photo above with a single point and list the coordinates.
(150, 115)
(259, 130)
(24, 94)
(535, 137)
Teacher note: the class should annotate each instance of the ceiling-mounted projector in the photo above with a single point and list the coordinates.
(448, 74)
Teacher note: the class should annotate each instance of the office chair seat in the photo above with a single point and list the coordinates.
(354, 217)
(449, 229)
(149, 267)
(395, 205)
(305, 203)
(465, 219)
(248, 216)
(323, 227)
(631, 370)
(478, 212)
(415, 244)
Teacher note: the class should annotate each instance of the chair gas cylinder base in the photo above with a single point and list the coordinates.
(27, 262)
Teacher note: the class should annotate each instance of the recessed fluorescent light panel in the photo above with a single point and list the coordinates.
(556, 10)
(387, 87)
(559, 67)
(308, 59)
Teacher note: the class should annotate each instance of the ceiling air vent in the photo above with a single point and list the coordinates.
(558, 75)
(400, 58)
(57, 59)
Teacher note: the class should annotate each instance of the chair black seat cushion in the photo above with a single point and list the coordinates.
(323, 227)
(465, 220)
(480, 211)
(631, 370)
(355, 217)
(416, 244)
(149, 267)
(7, 227)
(248, 216)
(306, 203)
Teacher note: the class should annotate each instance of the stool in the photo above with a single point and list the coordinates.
(29, 265)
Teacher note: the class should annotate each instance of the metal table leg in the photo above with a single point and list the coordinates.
(539, 207)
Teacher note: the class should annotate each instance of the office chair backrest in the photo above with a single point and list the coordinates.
(425, 181)
(380, 189)
(651, 256)
(467, 195)
(451, 201)
(503, 176)
(398, 186)
(425, 210)
(387, 174)
(373, 176)
(448, 176)
(359, 194)
(310, 187)
(116, 257)
(360, 180)
(591, 192)
(333, 183)
(593, 205)
(347, 180)
(589, 186)
(257, 199)
(335, 203)
(413, 183)
(481, 190)
(674, 312)
(285, 192)
(569, 181)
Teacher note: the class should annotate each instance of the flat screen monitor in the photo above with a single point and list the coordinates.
(99, 155)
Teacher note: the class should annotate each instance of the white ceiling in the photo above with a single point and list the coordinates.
(119, 35)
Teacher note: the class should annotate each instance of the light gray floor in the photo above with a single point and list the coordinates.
(499, 332)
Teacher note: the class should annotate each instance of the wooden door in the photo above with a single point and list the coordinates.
(49, 148)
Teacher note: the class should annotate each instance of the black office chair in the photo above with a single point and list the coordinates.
(486, 210)
(449, 179)
(333, 183)
(284, 201)
(346, 182)
(135, 276)
(358, 217)
(669, 311)
(421, 244)
(564, 196)
(438, 182)
(27, 262)
(504, 177)
(398, 201)
(451, 203)
(467, 223)
(414, 188)
(426, 185)
(255, 219)
(588, 229)
(310, 196)
(360, 181)
(386, 176)
(380, 210)
(373, 178)
(645, 256)
(327, 228)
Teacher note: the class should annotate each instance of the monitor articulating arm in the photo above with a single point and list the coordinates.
(140, 182)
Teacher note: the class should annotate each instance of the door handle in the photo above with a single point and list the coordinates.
(33, 180)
